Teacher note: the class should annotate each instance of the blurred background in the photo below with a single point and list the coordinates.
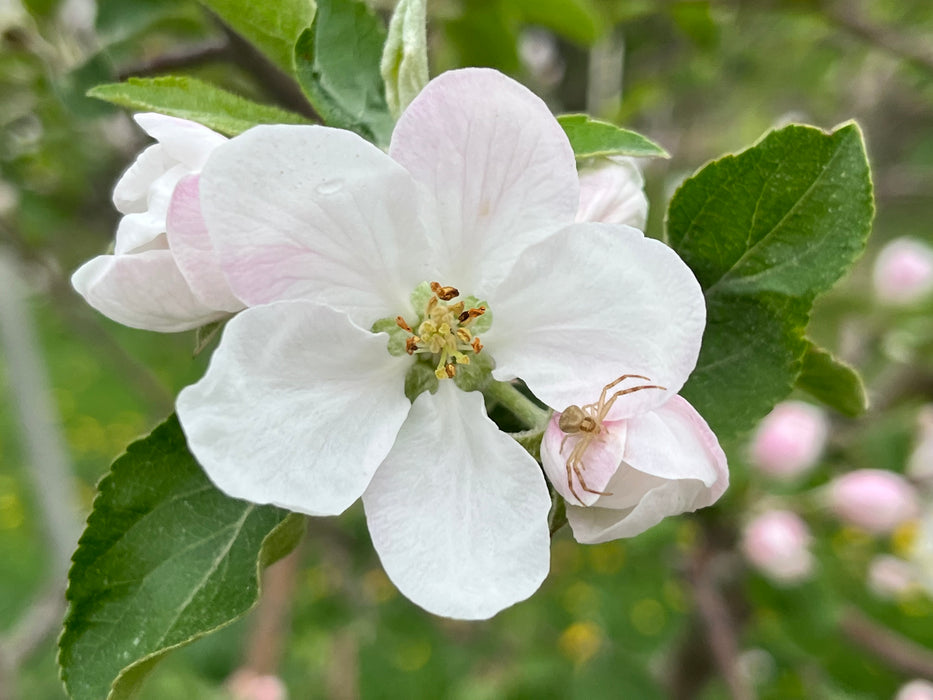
(812, 578)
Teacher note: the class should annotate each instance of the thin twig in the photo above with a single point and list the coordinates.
(718, 622)
(846, 16)
(895, 650)
(185, 57)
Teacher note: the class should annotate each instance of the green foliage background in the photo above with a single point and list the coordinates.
(616, 620)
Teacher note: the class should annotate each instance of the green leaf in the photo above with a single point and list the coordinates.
(591, 138)
(404, 64)
(832, 381)
(273, 27)
(165, 558)
(765, 232)
(337, 63)
(187, 98)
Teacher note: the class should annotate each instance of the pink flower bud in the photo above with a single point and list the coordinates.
(889, 576)
(915, 690)
(777, 544)
(246, 684)
(873, 499)
(789, 440)
(903, 271)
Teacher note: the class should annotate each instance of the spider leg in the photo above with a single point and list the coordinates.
(602, 396)
(604, 411)
(562, 443)
(576, 466)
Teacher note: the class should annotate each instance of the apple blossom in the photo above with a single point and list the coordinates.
(612, 191)
(162, 275)
(873, 499)
(903, 272)
(777, 544)
(639, 470)
(920, 461)
(330, 240)
(789, 440)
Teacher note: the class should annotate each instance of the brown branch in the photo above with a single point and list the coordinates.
(895, 650)
(718, 622)
(847, 17)
(185, 57)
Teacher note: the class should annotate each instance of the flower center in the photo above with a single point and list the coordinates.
(444, 329)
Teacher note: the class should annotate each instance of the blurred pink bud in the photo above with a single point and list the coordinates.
(789, 440)
(889, 576)
(873, 499)
(246, 684)
(777, 544)
(915, 690)
(904, 271)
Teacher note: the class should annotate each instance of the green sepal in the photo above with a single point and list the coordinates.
(419, 379)
(397, 335)
(832, 381)
(474, 376)
(188, 98)
(591, 138)
(205, 335)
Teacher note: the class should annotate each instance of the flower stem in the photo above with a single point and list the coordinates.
(515, 401)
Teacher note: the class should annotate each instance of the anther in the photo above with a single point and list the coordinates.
(470, 314)
(401, 323)
(464, 335)
(411, 344)
(444, 293)
(477, 346)
(451, 371)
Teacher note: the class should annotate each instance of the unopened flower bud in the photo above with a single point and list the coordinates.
(777, 544)
(873, 499)
(247, 684)
(903, 272)
(790, 440)
(890, 576)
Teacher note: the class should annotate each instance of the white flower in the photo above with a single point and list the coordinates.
(163, 275)
(303, 406)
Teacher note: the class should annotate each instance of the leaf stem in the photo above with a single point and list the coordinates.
(515, 401)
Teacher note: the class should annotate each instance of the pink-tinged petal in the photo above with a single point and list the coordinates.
(317, 213)
(592, 303)
(185, 142)
(672, 464)
(600, 460)
(613, 193)
(458, 511)
(191, 245)
(498, 166)
(145, 291)
(131, 192)
(298, 408)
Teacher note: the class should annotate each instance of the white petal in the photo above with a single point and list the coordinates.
(592, 303)
(132, 189)
(298, 408)
(317, 213)
(138, 230)
(613, 193)
(144, 290)
(673, 464)
(458, 511)
(496, 163)
(185, 142)
(191, 245)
